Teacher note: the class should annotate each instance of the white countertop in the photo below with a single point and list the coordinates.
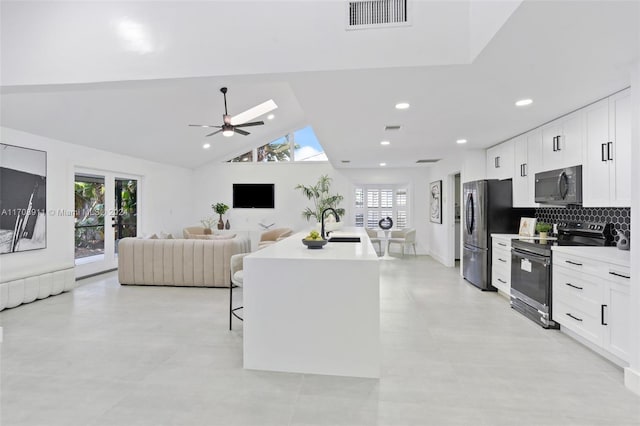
(605, 254)
(517, 236)
(292, 248)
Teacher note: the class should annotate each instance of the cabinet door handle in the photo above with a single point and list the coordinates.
(502, 244)
(498, 162)
(609, 150)
(502, 260)
(574, 263)
(502, 281)
(575, 318)
(574, 286)
(555, 138)
(619, 275)
(525, 167)
(602, 150)
(558, 143)
(602, 314)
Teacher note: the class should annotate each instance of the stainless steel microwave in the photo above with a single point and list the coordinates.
(559, 187)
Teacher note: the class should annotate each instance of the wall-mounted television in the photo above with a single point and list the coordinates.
(253, 196)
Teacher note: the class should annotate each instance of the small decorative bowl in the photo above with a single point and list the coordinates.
(314, 244)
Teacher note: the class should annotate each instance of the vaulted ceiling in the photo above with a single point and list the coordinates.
(129, 76)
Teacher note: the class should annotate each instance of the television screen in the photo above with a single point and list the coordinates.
(253, 196)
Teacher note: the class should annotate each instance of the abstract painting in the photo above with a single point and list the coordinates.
(23, 199)
(435, 201)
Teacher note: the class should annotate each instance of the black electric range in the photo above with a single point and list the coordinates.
(531, 266)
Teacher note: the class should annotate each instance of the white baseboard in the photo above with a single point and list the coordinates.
(632, 380)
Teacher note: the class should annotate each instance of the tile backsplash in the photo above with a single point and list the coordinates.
(620, 217)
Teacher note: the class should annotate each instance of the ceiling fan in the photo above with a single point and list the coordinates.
(231, 125)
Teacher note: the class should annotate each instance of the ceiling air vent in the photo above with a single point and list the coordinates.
(391, 128)
(429, 160)
(376, 13)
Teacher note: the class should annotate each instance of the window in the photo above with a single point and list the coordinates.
(278, 150)
(375, 202)
(247, 157)
(301, 145)
(307, 147)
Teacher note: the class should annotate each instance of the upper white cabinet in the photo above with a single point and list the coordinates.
(500, 161)
(562, 142)
(607, 168)
(527, 149)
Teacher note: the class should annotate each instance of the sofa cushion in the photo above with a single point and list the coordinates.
(178, 262)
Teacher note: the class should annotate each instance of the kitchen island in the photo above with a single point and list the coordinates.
(313, 311)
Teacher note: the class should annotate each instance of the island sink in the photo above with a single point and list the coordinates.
(344, 240)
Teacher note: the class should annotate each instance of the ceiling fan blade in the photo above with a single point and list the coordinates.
(253, 123)
(203, 125)
(216, 132)
(241, 132)
(254, 112)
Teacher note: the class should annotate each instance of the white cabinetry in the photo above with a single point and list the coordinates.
(500, 161)
(562, 142)
(591, 298)
(501, 264)
(607, 170)
(526, 163)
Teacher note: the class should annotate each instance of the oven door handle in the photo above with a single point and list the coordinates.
(531, 256)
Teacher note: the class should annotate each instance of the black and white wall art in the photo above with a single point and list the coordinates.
(23, 199)
(435, 201)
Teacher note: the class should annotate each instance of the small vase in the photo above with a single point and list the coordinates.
(543, 236)
(227, 225)
(207, 231)
(220, 223)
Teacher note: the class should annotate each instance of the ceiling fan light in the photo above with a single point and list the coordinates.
(228, 133)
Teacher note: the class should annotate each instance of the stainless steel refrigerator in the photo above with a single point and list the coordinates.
(487, 209)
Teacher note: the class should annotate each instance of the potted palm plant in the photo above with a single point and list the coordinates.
(220, 208)
(321, 197)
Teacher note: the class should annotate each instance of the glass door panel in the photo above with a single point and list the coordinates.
(89, 215)
(125, 218)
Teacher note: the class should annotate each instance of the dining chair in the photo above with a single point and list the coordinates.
(403, 237)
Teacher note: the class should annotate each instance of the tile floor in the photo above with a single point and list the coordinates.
(111, 355)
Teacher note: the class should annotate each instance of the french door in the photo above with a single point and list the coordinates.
(106, 210)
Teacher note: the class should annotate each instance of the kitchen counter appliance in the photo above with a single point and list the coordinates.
(559, 187)
(531, 267)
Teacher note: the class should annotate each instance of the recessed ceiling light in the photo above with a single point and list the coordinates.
(385, 143)
(524, 102)
(461, 141)
(383, 164)
(206, 146)
(270, 117)
(402, 105)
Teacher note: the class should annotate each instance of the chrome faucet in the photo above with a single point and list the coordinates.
(335, 214)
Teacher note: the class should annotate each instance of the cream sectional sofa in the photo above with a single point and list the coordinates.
(178, 262)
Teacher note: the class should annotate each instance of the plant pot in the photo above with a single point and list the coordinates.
(543, 236)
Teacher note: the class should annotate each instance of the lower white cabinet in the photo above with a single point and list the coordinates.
(591, 298)
(501, 264)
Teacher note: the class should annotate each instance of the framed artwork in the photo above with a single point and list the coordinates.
(527, 226)
(23, 199)
(435, 201)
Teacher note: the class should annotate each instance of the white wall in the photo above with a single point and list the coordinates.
(165, 198)
(213, 183)
(632, 374)
(471, 165)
